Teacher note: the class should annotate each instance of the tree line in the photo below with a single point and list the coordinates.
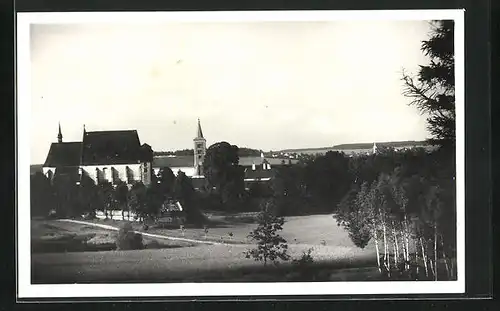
(74, 199)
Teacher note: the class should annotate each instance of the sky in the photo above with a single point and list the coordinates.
(263, 85)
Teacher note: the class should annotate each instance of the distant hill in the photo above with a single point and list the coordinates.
(356, 146)
(35, 168)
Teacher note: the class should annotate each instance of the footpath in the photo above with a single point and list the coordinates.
(151, 235)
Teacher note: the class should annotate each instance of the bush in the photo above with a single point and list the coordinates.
(305, 260)
(127, 239)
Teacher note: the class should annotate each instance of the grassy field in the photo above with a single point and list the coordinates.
(336, 257)
(314, 230)
(51, 236)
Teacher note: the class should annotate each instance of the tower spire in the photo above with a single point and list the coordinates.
(59, 135)
(200, 132)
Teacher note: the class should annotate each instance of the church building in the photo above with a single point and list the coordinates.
(104, 156)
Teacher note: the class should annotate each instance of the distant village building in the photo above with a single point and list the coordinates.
(104, 156)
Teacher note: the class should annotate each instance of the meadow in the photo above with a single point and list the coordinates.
(335, 256)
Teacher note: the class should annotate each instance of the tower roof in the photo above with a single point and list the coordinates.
(59, 135)
(199, 133)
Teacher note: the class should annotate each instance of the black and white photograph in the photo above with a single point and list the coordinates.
(240, 153)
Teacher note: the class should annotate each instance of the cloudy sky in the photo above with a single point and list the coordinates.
(264, 85)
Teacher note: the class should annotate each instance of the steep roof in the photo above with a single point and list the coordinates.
(199, 133)
(64, 154)
(111, 147)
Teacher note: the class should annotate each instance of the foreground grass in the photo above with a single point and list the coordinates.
(194, 264)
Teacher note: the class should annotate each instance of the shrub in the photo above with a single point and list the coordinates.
(127, 239)
(305, 260)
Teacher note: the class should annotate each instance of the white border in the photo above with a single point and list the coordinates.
(27, 290)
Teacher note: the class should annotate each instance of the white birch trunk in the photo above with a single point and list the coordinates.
(416, 257)
(424, 258)
(394, 254)
(396, 246)
(431, 264)
(407, 240)
(445, 258)
(378, 255)
(435, 254)
(387, 256)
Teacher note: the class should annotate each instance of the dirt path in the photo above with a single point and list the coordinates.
(156, 236)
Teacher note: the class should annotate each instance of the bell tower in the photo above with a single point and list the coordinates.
(200, 147)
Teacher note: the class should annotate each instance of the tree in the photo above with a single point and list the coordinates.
(41, 195)
(105, 195)
(234, 186)
(355, 214)
(433, 90)
(155, 198)
(88, 196)
(138, 200)
(66, 194)
(270, 245)
(167, 179)
(409, 213)
(221, 169)
(328, 179)
(186, 195)
(289, 191)
(120, 196)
